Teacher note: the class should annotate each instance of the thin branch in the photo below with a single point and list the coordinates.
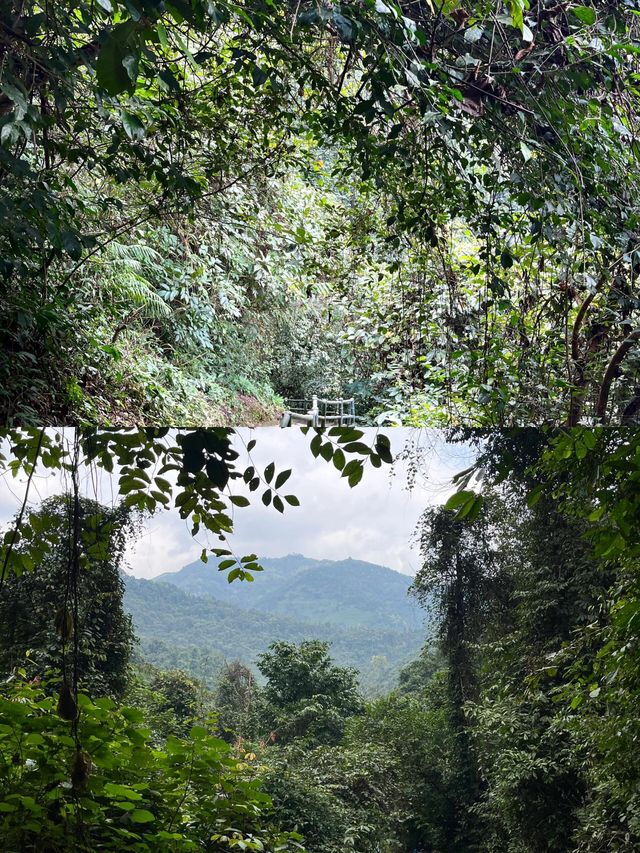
(575, 335)
(611, 372)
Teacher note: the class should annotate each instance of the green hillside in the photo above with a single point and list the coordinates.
(345, 592)
(199, 633)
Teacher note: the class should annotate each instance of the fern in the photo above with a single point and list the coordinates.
(134, 252)
(126, 268)
(139, 293)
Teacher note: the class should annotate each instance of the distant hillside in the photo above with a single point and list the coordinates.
(345, 592)
(198, 633)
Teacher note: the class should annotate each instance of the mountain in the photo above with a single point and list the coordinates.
(198, 634)
(199, 620)
(341, 592)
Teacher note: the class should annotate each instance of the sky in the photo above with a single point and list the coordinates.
(375, 521)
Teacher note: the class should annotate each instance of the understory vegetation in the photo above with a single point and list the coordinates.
(208, 207)
(514, 730)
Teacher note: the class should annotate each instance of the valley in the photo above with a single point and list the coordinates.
(195, 620)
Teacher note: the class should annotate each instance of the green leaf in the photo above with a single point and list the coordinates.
(282, 478)
(506, 259)
(585, 14)
(292, 500)
(259, 76)
(471, 510)
(383, 449)
(132, 125)
(141, 816)
(516, 7)
(356, 475)
(217, 472)
(162, 35)
(527, 153)
(357, 447)
(162, 484)
(239, 500)
(111, 74)
(346, 434)
(326, 451)
(535, 494)
(458, 499)
(269, 471)
(34, 739)
(112, 789)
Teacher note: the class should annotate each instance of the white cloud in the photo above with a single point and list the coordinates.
(374, 521)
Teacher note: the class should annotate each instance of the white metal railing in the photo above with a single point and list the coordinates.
(319, 412)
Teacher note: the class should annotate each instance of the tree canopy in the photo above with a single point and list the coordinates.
(464, 202)
(39, 613)
(308, 696)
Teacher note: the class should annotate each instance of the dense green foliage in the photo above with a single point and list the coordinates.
(238, 702)
(113, 790)
(525, 740)
(541, 744)
(170, 700)
(307, 696)
(198, 633)
(432, 206)
(38, 614)
(388, 785)
(515, 731)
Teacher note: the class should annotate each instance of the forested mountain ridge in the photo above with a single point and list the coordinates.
(200, 633)
(344, 592)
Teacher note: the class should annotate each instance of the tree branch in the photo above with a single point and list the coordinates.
(611, 372)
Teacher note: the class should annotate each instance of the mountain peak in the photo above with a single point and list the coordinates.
(348, 592)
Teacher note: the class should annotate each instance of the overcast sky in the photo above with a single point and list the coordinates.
(374, 521)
